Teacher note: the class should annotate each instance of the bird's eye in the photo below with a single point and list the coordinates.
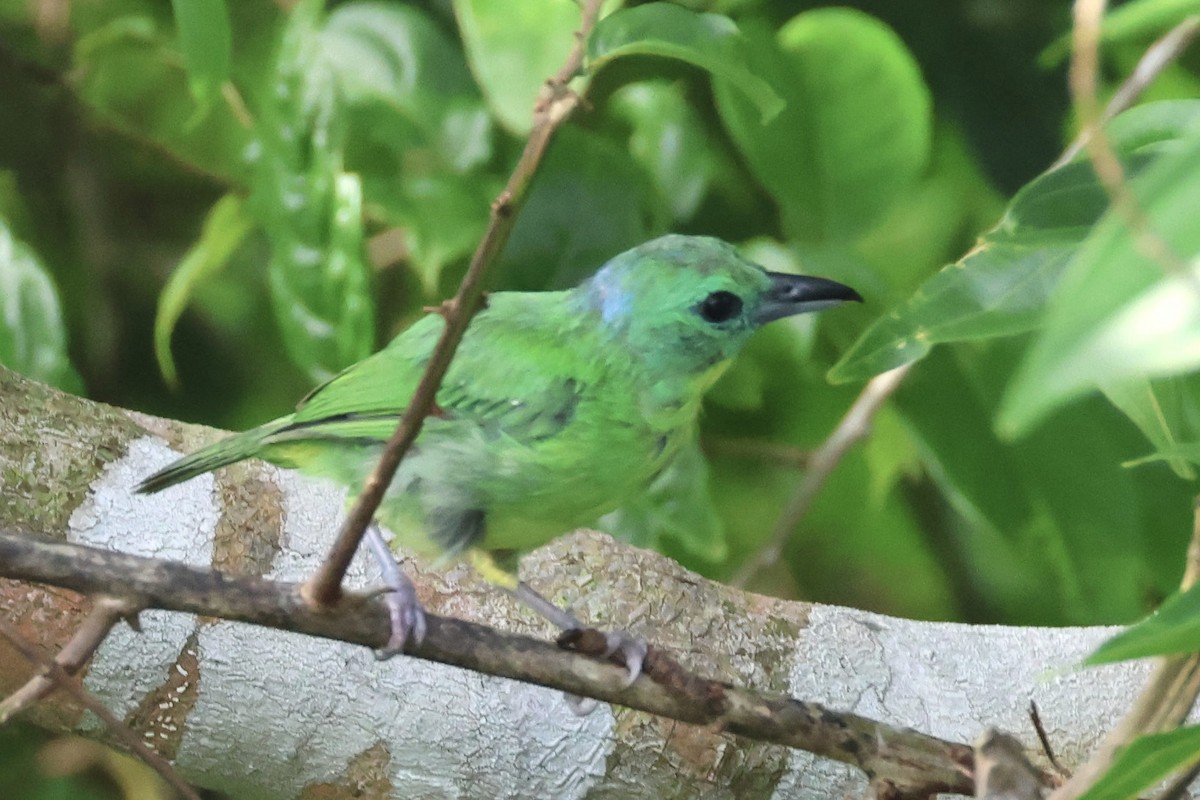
(720, 306)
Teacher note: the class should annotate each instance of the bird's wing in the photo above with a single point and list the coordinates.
(509, 377)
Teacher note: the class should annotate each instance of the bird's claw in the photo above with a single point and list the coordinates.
(407, 618)
(633, 650)
(404, 607)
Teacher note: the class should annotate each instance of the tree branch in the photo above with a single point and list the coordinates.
(915, 763)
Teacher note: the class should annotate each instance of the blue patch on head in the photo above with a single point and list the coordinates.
(615, 300)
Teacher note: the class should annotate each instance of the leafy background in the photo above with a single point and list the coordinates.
(206, 206)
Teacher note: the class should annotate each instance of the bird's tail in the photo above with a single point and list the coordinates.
(218, 454)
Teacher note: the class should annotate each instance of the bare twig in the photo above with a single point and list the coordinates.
(757, 449)
(855, 425)
(1156, 58)
(918, 764)
(108, 611)
(1035, 717)
(1084, 83)
(554, 105)
(70, 684)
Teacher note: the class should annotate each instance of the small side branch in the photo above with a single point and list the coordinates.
(56, 674)
(854, 427)
(107, 613)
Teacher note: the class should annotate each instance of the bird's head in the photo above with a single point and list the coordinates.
(688, 303)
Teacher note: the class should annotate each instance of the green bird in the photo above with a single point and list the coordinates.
(557, 408)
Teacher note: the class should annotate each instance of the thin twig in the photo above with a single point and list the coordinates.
(73, 687)
(1084, 84)
(854, 426)
(108, 611)
(787, 455)
(555, 103)
(1035, 717)
(915, 762)
(1157, 57)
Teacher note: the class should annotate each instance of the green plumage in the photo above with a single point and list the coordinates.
(557, 408)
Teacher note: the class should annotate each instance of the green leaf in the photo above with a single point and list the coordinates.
(1139, 400)
(1119, 314)
(395, 58)
(1188, 451)
(417, 128)
(855, 132)
(708, 41)
(670, 141)
(1003, 285)
(33, 338)
(321, 296)
(1173, 628)
(1146, 761)
(441, 217)
(513, 48)
(311, 209)
(127, 75)
(550, 247)
(224, 229)
(207, 43)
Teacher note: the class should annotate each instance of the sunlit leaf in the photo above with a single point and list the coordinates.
(670, 141)
(709, 41)
(1140, 765)
(856, 129)
(33, 338)
(1139, 400)
(224, 229)
(1173, 628)
(513, 48)
(1120, 314)
(311, 209)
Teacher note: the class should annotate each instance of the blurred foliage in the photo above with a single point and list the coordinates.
(261, 192)
(70, 768)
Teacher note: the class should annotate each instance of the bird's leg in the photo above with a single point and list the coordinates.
(632, 648)
(407, 615)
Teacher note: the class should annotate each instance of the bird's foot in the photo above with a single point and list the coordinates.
(407, 617)
(606, 644)
(633, 650)
(579, 637)
(404, 608)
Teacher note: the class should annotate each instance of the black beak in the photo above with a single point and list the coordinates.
(797, 294)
